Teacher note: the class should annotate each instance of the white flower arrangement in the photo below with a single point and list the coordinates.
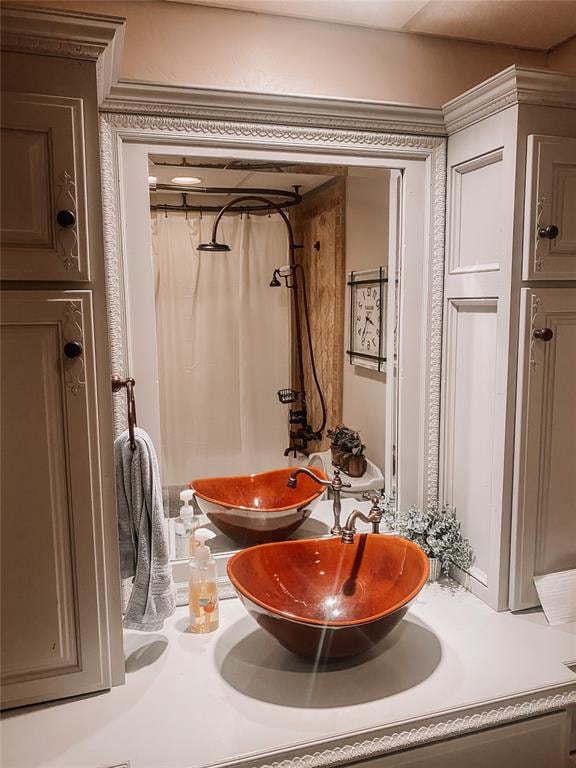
(437, 531)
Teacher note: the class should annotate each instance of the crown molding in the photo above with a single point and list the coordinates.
(512, 86)
(154, 99)
(66, 34)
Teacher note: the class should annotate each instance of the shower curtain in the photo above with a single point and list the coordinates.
(223, 338)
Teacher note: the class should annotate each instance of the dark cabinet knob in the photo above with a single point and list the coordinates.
(544, 334)
(549, 232)
(66, 219)
(72, 349)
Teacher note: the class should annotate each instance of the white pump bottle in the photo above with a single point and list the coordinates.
(184, 527)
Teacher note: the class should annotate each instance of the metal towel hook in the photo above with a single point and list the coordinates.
(128, 384)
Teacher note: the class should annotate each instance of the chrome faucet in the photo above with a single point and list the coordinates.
(335, 486)
(374, 517)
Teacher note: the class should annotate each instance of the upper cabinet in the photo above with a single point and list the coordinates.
(43, 231)
(550, 221)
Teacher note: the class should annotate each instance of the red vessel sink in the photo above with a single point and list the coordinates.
(255, 509)
(325, 599)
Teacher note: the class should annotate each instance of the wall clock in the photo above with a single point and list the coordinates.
(367, 320)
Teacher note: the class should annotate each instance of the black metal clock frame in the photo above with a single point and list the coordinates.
(381, 280)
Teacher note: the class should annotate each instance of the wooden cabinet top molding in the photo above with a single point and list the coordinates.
(515, 85)
(72, 35)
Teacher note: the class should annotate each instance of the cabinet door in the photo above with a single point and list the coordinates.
(54, 636)
(550, 220)
(43, 211)
(540, 742)
(544, 501)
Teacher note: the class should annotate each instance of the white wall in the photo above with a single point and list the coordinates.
(364, 403)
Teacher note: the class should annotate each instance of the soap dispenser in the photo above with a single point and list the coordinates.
(184, 527)
(203, 587)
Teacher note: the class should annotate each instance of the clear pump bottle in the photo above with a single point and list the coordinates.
(203, 586)
(185, 526)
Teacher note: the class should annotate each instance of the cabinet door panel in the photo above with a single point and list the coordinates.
(544, 523)
(42, 172)
(540, 742)
(550, 201)
(53, 624)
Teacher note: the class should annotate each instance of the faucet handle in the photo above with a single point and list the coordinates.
(337, 482)
(375, 499)
(375, 514)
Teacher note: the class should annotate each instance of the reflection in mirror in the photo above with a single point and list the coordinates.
(262, 348)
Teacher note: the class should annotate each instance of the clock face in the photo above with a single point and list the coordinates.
(367, 319)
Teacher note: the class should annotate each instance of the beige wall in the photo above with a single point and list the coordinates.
(563, 59)
(202, 46)
(364, 390)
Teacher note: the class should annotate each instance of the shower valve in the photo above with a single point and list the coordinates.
(297, 417)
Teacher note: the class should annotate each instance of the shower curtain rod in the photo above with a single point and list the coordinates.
(291, 198)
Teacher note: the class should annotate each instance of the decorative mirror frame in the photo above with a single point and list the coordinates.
(164, 115)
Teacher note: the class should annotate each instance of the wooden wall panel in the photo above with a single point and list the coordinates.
(321, 218)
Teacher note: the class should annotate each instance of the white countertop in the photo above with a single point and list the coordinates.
(191, 700)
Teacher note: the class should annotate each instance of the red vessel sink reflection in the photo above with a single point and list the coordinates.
(256, 509)
(324, 599)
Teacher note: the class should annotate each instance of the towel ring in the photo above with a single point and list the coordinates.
(128, 384)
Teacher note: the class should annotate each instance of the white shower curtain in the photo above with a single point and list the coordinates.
(223, 340)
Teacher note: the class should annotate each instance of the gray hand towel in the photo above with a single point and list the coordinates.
(144, 552)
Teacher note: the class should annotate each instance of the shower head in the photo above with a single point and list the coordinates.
(213, 247)
(275, 283)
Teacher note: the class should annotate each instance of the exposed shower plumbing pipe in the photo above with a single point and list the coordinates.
(305, 434)
(285, 273)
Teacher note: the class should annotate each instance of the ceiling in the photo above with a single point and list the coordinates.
(534, 24)
(282, 178)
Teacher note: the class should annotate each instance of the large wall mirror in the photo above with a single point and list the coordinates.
(247, 351)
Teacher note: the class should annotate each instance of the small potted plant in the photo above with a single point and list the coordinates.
(337, 437)
(437, 531)
(353, 461)
(347, 450)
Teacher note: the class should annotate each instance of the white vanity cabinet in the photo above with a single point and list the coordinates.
(508, 419)
(61, 616)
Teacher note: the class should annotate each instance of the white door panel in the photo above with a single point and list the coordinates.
(544, 505)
